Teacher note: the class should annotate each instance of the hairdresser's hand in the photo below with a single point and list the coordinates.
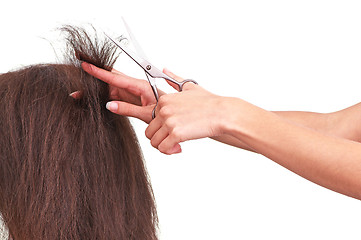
(131, 97)
(191, 114)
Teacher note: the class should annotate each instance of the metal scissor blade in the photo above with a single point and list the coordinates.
(147, 66)
(139, 60)
(140, 53)
(153, 86)
(135, 43)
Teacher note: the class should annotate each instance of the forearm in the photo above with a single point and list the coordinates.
(232, 141)
(327, 160)
(318, 121)
(342, 124)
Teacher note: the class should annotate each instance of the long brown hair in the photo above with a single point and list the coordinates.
(69, 168)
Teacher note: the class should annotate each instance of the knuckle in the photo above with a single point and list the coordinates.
(112, 79)
(91, 67)
(165, 111)
(126, 109)
(170, 123)
(176, 133)
(163, 100)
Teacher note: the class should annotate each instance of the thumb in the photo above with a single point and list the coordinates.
(175, 77)
(143, 113)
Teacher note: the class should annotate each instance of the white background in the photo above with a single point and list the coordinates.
(279, 55)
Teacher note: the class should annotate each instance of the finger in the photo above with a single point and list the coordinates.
(160, 92)
(169, 144)
(172, 75)
(130, 110)
(175, 77)
(76, 95)
(189, 86)
(152, 128)
(133, 85)
(176, 149)
(158, 137)
(116, 71)
(120, 94)
(186, 86)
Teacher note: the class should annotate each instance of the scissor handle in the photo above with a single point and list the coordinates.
(153, 112)
(180, 85)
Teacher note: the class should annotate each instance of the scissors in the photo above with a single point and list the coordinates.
(150, 70)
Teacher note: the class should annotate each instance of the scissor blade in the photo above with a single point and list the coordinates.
(135, 43)
(139, 60)
(153, 86)
(147, 66)
(140, 53)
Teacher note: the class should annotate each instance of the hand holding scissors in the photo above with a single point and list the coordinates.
(309, 144)
(150, 70)
(132, 97)
(180, 116)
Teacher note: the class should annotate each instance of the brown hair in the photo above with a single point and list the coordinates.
(69, 168)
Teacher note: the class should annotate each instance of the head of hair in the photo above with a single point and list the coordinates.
(69, 168)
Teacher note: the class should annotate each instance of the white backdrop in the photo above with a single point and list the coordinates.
(279, 55)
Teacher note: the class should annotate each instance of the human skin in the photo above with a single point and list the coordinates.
(323, 148)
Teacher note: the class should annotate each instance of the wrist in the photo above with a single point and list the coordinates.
(242, 119)
(229, 111)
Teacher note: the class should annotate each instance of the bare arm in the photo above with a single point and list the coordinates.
(340, 124)
(325, 159)
(323, 148)
(329, 156)
(317, 121)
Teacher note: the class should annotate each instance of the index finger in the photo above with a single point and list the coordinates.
(117, 79)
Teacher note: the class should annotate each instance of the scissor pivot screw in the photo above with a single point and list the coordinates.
(148, 67)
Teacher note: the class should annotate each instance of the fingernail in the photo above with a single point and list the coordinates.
(111, 106)
(72, 94)
(75, 95)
